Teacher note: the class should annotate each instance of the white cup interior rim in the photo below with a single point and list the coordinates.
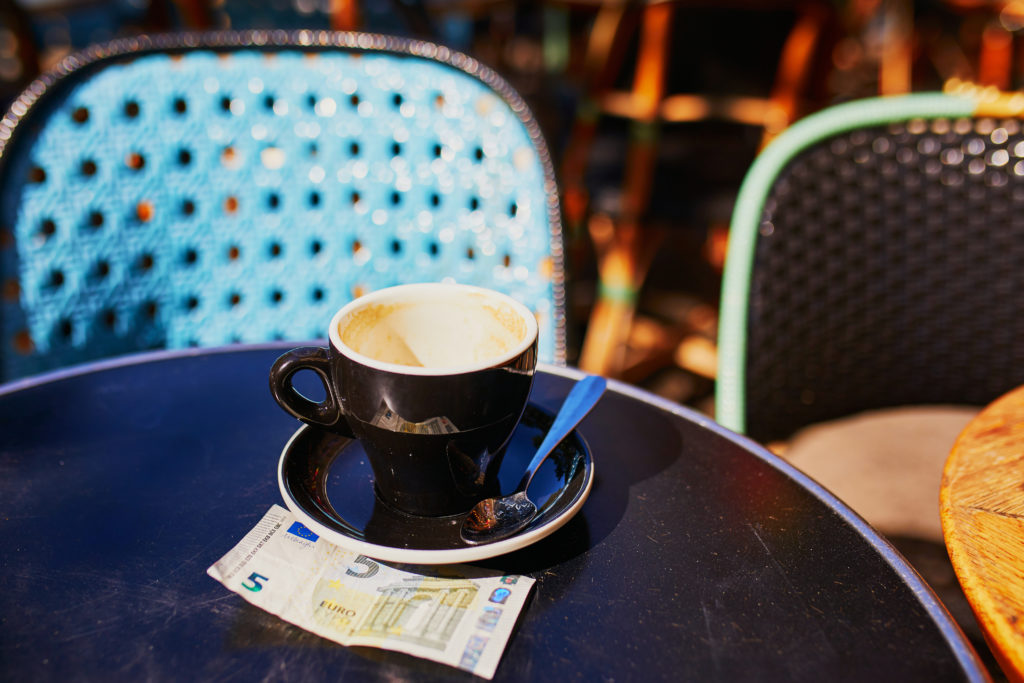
(426, 289)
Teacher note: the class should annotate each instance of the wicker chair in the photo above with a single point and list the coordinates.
(205, 189)
(871, 300)
(875, 260)
(872, 303)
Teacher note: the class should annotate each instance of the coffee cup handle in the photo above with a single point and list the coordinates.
(326, 413)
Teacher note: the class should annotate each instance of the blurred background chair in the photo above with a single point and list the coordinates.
(875, 262)
(640, 69)
(203, 189)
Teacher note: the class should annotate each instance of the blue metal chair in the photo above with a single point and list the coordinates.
(206, 189)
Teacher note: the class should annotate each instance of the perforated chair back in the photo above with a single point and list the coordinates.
(876, 259)
(199, 190)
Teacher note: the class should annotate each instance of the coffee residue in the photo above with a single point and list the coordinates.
(435, 334)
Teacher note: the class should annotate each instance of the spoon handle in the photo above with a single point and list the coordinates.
(581, 399)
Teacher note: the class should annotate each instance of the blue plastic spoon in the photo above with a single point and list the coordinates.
(495, 518)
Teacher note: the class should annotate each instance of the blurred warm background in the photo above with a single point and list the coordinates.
(653, 110)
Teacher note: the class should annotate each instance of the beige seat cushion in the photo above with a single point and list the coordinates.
(885, 464)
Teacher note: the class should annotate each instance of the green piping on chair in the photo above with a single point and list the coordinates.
(730, 398)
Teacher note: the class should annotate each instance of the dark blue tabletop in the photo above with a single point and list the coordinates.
(699, 555)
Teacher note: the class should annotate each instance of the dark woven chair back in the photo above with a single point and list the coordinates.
(885, 267)
(200, 190)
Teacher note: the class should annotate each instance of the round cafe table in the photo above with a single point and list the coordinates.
(982, 509)
(698, 555)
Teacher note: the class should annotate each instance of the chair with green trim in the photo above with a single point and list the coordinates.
(876, 260)
(203, 189)
(873, 301)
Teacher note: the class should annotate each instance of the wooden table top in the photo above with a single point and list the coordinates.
(982, 508)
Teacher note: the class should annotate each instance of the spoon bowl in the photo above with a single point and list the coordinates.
(495, 518)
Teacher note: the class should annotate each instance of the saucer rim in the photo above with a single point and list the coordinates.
(436, 556)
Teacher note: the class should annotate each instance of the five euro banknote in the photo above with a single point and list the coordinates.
(455, 614)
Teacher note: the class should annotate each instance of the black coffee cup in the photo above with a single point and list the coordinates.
(432, 379)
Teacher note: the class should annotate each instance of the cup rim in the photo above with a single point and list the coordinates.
(334, 334)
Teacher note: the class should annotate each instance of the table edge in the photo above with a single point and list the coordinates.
(998, 631)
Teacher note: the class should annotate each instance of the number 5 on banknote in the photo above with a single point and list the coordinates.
(256, 586)
(371, 568)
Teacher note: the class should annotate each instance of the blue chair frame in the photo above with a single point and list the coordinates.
(204, 189)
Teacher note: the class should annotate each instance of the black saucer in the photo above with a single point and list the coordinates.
(327, 483)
